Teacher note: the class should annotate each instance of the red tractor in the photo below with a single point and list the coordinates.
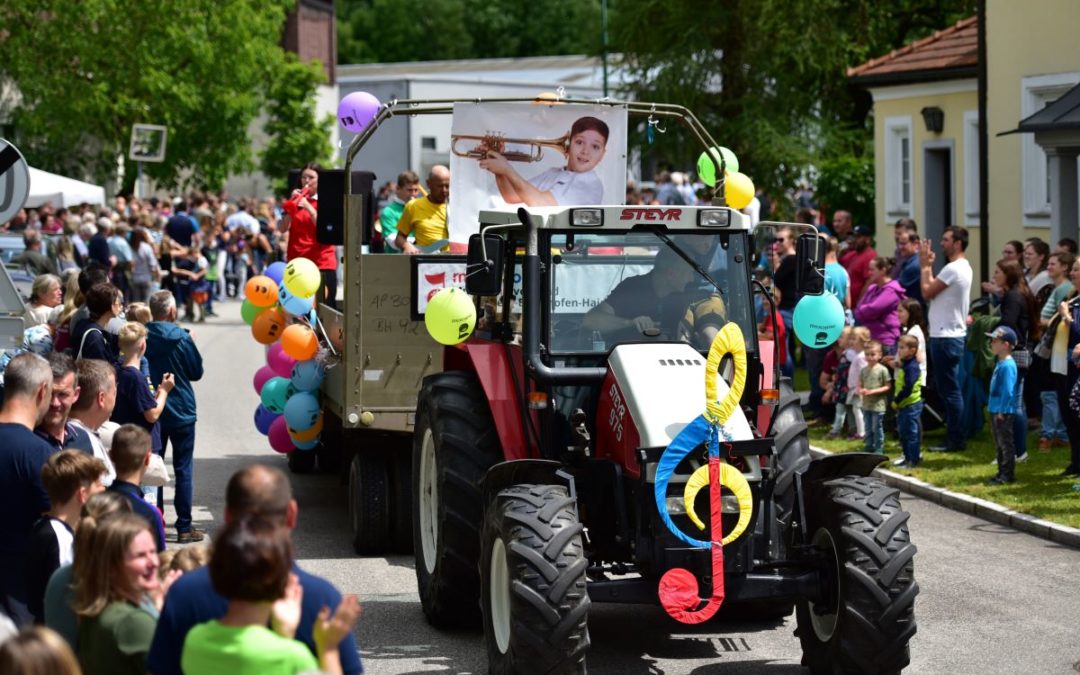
(543, 473)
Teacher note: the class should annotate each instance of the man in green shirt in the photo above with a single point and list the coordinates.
(408, 188)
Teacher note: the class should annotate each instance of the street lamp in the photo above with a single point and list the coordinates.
(934, 118)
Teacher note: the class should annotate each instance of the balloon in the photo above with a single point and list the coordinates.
(706, 170)
(450, 316)
(356, 111)
(313, 317)
(308, 434)
(292, 303)
(261, 291)
(263, 419)
(302, 277)
(248, 312)
(818, 320)
(280, 362)
(308, 375)
(299, 342)
(301, 411)
(262, 376)
(301, 445)
(547, 97)
(279, 436)
(274, 394)
(275, 271)
(738, 190)
(268, 325)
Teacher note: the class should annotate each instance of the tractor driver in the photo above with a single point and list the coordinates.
(643, 305)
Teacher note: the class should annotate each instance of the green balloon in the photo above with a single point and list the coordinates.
(275, 393)
(707, 170)
(249, 311)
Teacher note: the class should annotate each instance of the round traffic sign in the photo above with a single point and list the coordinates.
(14, 181)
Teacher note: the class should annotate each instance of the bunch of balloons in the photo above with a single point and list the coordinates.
(279, 307)
(738, 188)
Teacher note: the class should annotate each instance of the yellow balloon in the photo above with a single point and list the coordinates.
(732, 479)
(302, 277)
(450, 316)
(738, 190)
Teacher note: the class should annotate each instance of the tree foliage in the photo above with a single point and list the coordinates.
(88, 69)
(296, 137)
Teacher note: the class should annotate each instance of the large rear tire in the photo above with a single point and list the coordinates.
(867, 618)
(532, 570)
(454, 444)
(369, 502)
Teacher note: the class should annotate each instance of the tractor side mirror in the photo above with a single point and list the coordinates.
(484, 264)
(810, 264)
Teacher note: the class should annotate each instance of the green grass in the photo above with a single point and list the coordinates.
(1040, 489)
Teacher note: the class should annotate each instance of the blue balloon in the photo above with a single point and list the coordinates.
(818, 320)
(275, 271)
(310, 445)
(302, 411)
(308, 375)
(264, 418)
(292, 303)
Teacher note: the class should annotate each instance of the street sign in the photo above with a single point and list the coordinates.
(14, 181)
(147, 143)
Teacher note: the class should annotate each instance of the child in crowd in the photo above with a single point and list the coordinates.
(874, 392)
(1002, 403)
(912, 322)
(836, 386)
(70, 478)
(908, 401)
(190, 558)
(130, 454)
(190, 270)
(856, 356)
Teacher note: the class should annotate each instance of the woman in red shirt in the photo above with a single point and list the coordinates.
(301, 212)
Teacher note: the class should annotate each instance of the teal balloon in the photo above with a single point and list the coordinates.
(302, 411)
(308, 375)
(707, 170)
(275, 393)
(818, 320)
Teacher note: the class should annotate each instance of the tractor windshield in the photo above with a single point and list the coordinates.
(609, 288)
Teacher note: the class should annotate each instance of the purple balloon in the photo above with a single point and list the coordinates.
(278, 361)
(262, 375)
(357, 110)
(279, 436)
(263, 419)
(275, 271)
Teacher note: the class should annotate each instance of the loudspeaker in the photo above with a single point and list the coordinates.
(330, 224)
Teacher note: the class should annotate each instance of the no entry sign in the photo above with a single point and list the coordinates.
(14, 181)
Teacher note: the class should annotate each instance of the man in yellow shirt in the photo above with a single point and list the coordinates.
(425, 218)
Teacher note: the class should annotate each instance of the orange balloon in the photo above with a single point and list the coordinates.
(548, 97)
(261, 291)
(299, 342)
(268, 325)
(308, 435)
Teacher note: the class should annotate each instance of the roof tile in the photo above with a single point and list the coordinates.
(954, 47)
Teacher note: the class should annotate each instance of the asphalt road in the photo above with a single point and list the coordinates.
(993, 600)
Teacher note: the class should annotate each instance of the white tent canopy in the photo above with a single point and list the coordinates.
(61, 191)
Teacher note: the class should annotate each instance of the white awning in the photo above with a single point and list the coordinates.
(61, 191)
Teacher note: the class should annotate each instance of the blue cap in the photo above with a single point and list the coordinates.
(1003, 333)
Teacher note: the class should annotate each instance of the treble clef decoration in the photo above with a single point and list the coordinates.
(678, 589)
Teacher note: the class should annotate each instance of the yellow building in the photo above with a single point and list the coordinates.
(926, 127)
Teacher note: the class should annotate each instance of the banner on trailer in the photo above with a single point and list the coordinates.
(511, 154)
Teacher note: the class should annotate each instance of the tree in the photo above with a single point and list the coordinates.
(296, 137)
(88, 69)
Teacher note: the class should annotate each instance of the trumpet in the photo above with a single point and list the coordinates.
(494, 142)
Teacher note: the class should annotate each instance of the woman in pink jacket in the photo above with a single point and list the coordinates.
(877, 306)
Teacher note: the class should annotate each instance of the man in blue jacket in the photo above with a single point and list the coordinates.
(170, 349)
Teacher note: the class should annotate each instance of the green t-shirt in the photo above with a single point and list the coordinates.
(388, 219)
(213, 649)
(116, 641)
(875, 377)
(1057, 296)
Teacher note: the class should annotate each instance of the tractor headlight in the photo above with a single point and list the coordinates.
(586, 217)
(714, 218)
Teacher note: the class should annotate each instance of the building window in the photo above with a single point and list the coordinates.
(1036, 93)
(899, 167)
(427, 142)
(971, 166)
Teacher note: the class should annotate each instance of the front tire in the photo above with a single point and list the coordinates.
(532, 570)
(867, 618)
(454, 445)
(369, 502)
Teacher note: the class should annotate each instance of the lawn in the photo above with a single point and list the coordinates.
(1039, 490)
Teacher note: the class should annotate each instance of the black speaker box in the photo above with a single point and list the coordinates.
(330, 224)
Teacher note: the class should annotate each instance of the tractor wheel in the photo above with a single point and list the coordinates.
(302, 461)
(454, 444)
(867, 616)
(532, 570)
(792, 449)
(369, 502)
(402, 500)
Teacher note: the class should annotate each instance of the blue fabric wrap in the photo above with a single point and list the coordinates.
(698, 431)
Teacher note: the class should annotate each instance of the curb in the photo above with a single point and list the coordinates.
(974, 506)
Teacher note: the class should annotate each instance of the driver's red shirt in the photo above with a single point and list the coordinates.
(302, 241)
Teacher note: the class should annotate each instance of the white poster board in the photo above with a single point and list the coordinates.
(511, 154)
(148, 143)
